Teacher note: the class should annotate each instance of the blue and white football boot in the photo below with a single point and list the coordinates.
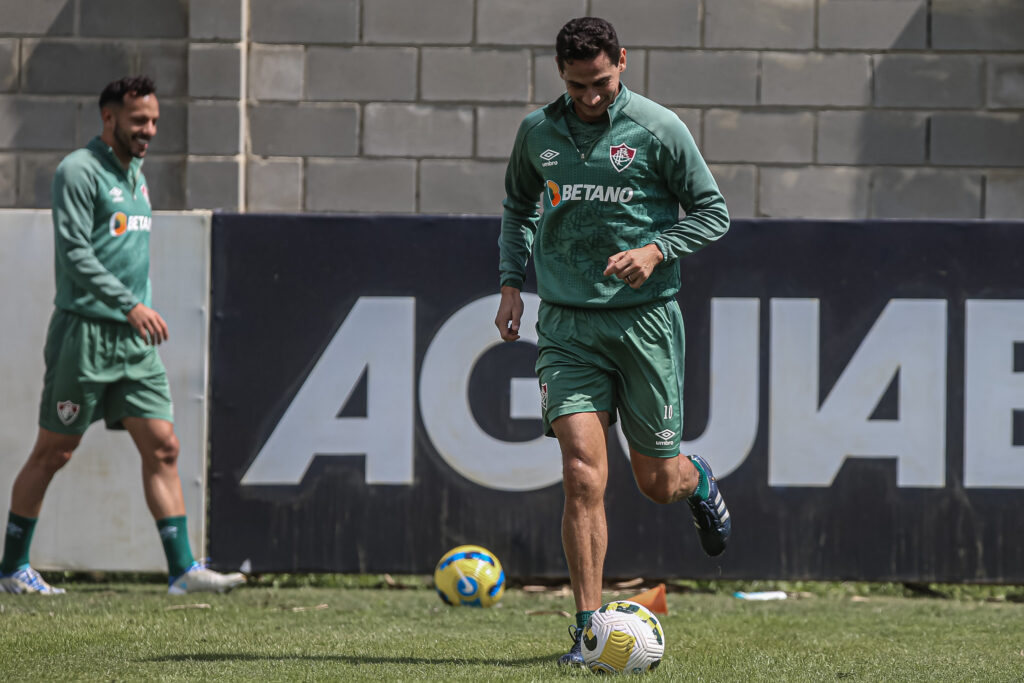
(710, 516)
(27, 580)
(574, 657)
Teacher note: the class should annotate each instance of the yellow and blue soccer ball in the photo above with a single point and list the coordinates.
(469, 575)
(623, 637)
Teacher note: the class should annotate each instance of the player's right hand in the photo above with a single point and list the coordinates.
(148, 324)
(510, 312)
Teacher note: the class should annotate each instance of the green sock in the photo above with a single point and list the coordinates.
(174, 536)
(583, 618)
(16, 542)
(703, 484)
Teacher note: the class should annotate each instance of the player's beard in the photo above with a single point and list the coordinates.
(127, 142)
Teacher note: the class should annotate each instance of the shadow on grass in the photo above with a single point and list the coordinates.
(346, 659)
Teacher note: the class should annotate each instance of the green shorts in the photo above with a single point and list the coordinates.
(99, 369)
(620, 360)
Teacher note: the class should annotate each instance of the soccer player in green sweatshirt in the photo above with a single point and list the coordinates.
(612, 169)
(100, 354)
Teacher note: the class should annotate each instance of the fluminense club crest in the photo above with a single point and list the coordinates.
(622, 156)
(67, 411)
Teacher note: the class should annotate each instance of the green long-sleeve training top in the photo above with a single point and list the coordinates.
(101, 225)
(622, 192)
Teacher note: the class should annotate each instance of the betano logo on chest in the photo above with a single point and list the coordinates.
(120, 223)
(586, 192)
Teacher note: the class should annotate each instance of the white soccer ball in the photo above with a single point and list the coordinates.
(623, 637)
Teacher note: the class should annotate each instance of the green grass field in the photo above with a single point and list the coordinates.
(342, 629)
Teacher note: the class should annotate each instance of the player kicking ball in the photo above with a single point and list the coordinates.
(100, 353)
(612, 168)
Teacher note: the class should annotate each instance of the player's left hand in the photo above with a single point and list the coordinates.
(510, 313)
(148, 324)
(634, 266)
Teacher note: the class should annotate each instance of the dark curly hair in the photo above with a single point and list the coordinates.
(585, 38)
(136, 86)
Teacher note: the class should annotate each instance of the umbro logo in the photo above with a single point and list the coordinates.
(116, 194)
(548, 156)
(665, 437)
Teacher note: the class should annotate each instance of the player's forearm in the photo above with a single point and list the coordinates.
(515, 243)
(86, 271)
(690, 180)
(700, 227)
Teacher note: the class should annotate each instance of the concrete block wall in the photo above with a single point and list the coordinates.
(803, 108)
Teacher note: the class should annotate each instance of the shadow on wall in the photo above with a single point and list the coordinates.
(66, 63)
(892, 146)
(41, 128)
(862, 152)
(904, 126)
(898, 174)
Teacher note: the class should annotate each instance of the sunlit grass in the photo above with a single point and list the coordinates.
(295, 627)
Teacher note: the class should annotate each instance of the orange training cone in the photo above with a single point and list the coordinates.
(653, 599)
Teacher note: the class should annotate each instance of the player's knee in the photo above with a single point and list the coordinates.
(664, 480)
(663, 486)
(581, 479)
(166, 453)
(52, 451)
(52, 459)
(656, 489)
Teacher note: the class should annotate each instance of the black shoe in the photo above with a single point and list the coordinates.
(710, 516)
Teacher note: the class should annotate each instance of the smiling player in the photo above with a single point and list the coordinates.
(613, 169)
(101, 358)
